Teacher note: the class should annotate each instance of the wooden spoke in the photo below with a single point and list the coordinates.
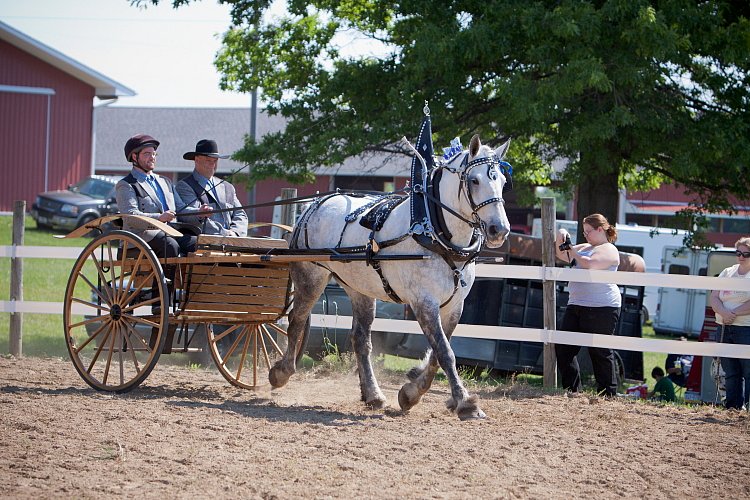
(109, 299)
(138, 289)
(142, 320)
(91, 304)
(263, 345)
(102, 278)
(148, 302)
(89, 321)
(92, 337)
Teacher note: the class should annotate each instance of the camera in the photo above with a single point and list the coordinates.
(565, 245)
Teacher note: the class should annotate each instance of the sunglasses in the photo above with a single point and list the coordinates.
(745, 255)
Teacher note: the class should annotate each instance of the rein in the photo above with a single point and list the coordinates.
(292, 201)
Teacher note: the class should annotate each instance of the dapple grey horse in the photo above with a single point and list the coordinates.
(427, 286)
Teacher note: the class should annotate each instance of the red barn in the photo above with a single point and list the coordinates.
(46, 117)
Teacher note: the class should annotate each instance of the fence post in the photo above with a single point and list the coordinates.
(549, 286)
(16, 280)
(288, 212)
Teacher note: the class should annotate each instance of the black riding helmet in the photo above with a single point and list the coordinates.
(138, 142)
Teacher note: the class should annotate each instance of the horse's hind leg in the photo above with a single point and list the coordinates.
(363, 313)
(309, 282)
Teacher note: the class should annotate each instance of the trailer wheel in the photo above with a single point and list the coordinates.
(113, 337)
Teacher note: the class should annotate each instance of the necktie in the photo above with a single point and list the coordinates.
(159, 192)
(224, 216)
(212, 189)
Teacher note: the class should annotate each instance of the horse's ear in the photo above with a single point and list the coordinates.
(502, 150)
(474, 146)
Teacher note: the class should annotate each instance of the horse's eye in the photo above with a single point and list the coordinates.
(475, 181)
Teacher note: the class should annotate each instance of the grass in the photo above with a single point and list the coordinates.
(43, 280)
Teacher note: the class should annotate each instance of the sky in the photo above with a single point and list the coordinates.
(175, 48)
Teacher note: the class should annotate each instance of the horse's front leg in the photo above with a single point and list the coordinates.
(309, 283)
(363, 313)
(428, 316)
(421, 376)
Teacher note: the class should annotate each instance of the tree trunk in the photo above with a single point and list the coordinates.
(597, 194)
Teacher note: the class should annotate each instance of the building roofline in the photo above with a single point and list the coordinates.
(104, 87)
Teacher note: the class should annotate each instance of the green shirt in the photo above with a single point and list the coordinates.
(664, 390)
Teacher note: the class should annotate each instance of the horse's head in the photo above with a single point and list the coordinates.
(483, 179)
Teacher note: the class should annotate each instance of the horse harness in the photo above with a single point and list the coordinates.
(427, 225)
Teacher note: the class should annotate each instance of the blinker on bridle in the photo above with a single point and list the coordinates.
(494, 168)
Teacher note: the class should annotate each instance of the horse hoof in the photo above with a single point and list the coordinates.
(277, 377)
(472, 415)
(469, 409)
(408, 396)
(376, 404)
(451, 404)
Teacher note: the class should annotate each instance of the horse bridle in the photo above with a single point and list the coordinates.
(494, 168)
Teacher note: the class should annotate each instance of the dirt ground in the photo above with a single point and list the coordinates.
(187, 433)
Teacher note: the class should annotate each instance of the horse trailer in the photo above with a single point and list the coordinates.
(681, 310)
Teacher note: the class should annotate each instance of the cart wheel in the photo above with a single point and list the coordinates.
(112, 335)
(244, 353)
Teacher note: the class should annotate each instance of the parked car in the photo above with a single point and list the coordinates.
(89, 199)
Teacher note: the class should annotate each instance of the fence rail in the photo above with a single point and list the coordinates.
(481, 331)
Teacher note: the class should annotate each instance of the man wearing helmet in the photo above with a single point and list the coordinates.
(144, 193)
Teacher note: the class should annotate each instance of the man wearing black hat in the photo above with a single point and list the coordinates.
(202, 191)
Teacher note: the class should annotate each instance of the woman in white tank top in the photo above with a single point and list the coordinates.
(592, 307)
(732, 310)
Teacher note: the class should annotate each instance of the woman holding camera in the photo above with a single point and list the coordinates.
(592, 307)
(732, 310)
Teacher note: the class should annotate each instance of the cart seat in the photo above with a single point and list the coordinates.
(206, 241)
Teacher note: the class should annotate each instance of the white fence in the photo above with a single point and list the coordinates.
(481, 331)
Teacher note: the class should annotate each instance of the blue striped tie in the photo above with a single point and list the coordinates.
(159, 192)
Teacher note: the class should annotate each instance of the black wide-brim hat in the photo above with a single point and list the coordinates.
(205, 147)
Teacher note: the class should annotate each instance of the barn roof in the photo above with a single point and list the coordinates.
(178, 129)
(105, 88)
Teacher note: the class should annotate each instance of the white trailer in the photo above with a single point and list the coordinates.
(646, 241)
(681, 310)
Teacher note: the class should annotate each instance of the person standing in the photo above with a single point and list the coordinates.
(204, 192)
(592, 307)
(732, 310)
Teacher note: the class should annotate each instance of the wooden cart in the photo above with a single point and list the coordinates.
(228, 297)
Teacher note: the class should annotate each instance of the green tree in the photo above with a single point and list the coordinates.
(634, 93)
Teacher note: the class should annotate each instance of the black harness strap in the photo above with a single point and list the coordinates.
(139, 191)
(200, 193)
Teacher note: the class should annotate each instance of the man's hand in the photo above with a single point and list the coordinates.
(167, 216)
(205, 211)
